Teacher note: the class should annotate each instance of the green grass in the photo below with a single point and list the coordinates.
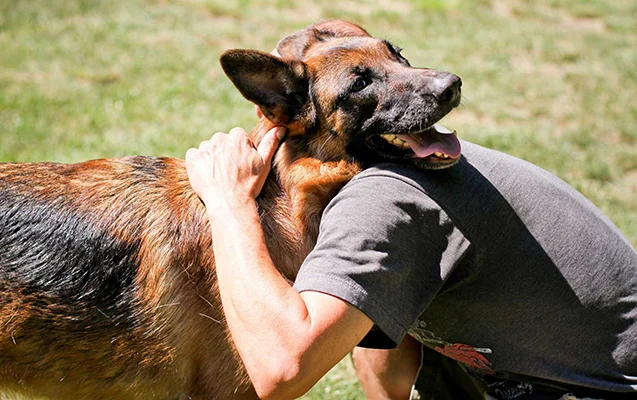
(550, 81)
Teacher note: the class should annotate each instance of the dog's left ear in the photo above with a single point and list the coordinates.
(279, 87)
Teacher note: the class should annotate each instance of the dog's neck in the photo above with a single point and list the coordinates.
(293, 198)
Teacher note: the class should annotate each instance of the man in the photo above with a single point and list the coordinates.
(518, 287)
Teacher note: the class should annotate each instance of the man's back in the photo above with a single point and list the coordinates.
(546, 273)
(514, 272)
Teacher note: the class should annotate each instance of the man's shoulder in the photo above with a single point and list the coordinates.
(388, 174)
(390, 183)
(381, 191)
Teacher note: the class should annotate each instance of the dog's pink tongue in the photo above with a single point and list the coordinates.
(436, 139)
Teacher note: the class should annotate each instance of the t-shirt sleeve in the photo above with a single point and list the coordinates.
(385, 247)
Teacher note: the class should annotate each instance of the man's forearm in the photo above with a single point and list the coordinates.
(268, 319)
(286, 340)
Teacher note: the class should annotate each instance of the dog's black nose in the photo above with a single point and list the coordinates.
(447, 88)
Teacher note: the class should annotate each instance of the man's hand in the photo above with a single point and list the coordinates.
(228, 169)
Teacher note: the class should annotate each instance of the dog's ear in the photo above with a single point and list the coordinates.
(279, 87)
(296, 46)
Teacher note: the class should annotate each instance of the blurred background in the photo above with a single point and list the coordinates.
(551, 81)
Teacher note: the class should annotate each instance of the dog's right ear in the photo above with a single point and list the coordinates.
(279, 87)
(296, 46)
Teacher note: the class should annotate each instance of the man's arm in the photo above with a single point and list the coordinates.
(388, 374)
(286, 340)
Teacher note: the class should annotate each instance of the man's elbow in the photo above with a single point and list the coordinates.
(285, 381)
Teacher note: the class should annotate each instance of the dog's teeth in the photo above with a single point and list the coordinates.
(395, 140)
(388, 137)
(441, 155)
(401, 143)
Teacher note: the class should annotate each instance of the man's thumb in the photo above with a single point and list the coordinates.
(270, 143)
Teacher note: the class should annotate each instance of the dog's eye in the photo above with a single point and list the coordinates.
(360, 84)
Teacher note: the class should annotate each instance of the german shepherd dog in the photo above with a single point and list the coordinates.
(107, 276)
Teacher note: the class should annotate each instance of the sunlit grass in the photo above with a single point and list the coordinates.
(550, 81)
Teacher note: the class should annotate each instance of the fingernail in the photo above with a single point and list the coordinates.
(280, 133)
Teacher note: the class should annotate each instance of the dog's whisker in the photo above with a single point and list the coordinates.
(322, 148)
(167, 305)
(103, 313)
(206, 300)
(210, 318)
(10, 319)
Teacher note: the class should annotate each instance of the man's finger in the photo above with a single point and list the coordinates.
(257, 109)
(270, 142)
(238, 132)
(191, 154)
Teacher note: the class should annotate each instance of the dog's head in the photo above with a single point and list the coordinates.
(344, 95)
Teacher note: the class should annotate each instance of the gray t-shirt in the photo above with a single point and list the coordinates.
(494, 262)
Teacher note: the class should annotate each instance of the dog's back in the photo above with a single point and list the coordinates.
(107, 281)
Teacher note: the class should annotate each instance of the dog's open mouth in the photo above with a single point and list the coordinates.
(437, 146)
